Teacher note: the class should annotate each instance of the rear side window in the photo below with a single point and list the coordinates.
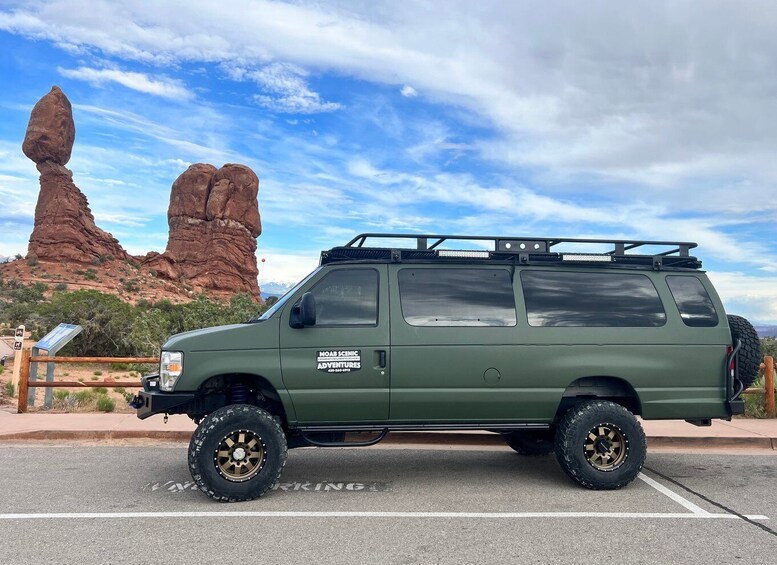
(457, 297)
(693, 302)
(347, 297)
(591, 299)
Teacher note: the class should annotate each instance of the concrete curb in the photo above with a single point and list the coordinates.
(396, 438)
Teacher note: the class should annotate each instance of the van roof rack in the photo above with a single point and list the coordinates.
(427, 248)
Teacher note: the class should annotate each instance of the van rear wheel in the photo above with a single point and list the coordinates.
(600, 445)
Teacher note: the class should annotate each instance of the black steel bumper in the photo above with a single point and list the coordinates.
(152, 401)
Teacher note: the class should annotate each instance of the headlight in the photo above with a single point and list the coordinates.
(170, 368)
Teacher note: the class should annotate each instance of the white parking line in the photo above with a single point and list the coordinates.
(673, 495)
(412, 515)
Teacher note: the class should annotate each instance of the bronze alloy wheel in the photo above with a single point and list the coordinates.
(606, 447)
(240, 455)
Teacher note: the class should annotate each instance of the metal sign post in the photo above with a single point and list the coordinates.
(52, 342)
(18, 344)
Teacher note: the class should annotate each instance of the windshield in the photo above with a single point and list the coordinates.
(283, 299)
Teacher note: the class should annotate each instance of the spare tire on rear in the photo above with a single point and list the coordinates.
(749, 359)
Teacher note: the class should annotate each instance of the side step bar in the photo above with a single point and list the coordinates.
(496, 426)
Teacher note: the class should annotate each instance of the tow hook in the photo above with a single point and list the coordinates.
(165, 420)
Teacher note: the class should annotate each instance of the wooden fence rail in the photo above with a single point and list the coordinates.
(26, 359)
(24, 377)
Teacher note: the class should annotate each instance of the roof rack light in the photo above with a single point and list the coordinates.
(583, 258)
(463, 254)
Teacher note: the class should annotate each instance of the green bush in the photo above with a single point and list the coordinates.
(60, 287)
(119, 366)
(112, 327)
(61, 394)
(105, 404)
(9, 389)
(119, 389)
(83, 396)
(754, 405)
(97, 373)
(131, 285)
(100, 390)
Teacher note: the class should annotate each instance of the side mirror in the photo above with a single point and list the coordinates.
(304, 313)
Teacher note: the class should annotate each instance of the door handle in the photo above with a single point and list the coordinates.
(381, 359)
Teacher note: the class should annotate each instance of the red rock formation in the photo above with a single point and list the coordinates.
(214, 222)
(213, 215)
(64, 226)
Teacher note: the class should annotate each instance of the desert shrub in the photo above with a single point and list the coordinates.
(32, 260)
(100, 390)
(60, 287)
(106, 321)
(90, 275)
(105, 403)
(112, 327)
(9, 389)
(83, 397)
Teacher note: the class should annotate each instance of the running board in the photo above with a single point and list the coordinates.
(496, 426)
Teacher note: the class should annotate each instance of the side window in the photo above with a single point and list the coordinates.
(591, 300)
(457, 297)
(347, 297)
(693, 302)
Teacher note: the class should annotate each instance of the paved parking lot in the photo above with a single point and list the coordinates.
(130, 504)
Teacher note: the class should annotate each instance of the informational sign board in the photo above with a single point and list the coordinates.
(57, 338)
(52, 342)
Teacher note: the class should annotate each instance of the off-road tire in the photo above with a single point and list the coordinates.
(573, 433)
(209, 435)
(749, 357)
(533, 443)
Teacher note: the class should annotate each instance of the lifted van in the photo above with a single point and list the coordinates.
(556, 344)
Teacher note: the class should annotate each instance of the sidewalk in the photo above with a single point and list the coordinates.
(739, 433)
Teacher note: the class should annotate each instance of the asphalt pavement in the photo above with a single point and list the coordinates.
(75, 503)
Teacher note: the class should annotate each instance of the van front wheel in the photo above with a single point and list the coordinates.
(600, 445)
(237, 453)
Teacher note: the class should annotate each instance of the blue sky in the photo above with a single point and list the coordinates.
(507, 118)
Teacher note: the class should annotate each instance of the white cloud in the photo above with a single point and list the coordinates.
(163, 87)
(672, 102)
(745, 295)
(285, 88)
(283, 267)
(673, 99)
(408, 91)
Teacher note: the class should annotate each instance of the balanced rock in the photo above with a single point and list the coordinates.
(51, 131)
(214, 222)
(64, 226)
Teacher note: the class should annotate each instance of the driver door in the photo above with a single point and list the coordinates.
(338, 369)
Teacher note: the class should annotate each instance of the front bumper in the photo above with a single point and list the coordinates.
(152, 401)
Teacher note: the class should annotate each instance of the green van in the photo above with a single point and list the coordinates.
(556, 344)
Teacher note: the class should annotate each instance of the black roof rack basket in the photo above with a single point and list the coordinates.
(516, 250)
